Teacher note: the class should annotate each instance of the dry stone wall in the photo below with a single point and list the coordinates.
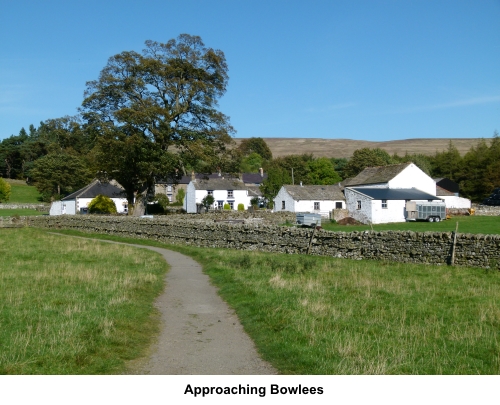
(254, 234)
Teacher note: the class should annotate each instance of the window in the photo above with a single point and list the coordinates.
(220, 205)
(210, 192)
(316, 205)
(358, 204)
(231, 204)
(169, 189)
(230, 194)
(282, 205)
(338, 205)
(384, 204)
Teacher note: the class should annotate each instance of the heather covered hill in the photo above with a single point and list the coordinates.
(339, 148)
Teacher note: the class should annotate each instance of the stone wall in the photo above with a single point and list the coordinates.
(256, 234)
(488, 210)
(38, 207)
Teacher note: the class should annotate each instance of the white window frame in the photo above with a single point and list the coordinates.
(358, 204)
(384, 204)
(316, 206)
(230, 193)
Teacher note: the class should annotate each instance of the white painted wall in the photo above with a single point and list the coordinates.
(120, 203)
(62, 208)
(190, 199)
(395, 211)
(291, 205)
(456, 202)
(413, 177)
(194, 197)
(287, 198)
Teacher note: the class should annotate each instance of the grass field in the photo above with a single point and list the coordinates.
(466, 224)
(317, 315)
(22, 212)
(74, 306)
(22, 193)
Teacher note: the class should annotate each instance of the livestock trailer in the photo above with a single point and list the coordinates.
(308, 219)
(425, 211)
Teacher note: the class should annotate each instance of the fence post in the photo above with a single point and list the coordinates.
(453, 247)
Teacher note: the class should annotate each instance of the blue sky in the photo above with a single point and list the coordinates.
(367, 70)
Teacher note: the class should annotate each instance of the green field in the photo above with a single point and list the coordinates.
(22, 212)
(23, 193)
(74, 307)
(319, 315)
(466, 224)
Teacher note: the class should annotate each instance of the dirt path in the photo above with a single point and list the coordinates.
(199, 334)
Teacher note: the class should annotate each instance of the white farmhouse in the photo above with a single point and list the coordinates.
(316, 199)
(78, 202)
(452, 200)
(379, 194)
(225, 191)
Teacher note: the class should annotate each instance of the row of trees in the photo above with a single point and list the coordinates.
(477, 172)
(153, 116)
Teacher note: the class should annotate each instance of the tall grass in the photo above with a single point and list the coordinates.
(71, 306)
(320, 315)
(311, 315)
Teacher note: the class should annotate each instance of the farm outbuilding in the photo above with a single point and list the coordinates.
(78, 202)
(318, 199)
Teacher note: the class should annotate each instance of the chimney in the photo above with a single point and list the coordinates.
(218, 169)
(300, 184)
(193, 177)
(261, 171)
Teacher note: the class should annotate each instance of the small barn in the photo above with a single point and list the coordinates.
(78, 202)
(382, 205)
(318, 199)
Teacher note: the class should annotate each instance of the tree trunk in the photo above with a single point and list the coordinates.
(140, 204)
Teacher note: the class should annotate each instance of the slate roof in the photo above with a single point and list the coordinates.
(377, 174)
(441, 191)
(323, 192)
(254, 178)
(447, 184)
(219, 184)
(94, 189)
(394, 193)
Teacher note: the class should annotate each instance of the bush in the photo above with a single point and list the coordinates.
(241, 207)
(179, 198)
(207, 201)
(4, 191)
(102, 205)
(227, 206)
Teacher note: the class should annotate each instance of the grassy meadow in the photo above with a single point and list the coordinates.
(22, 193)
(466, 224)
(22, 212)
(73, 306)
(320, 315)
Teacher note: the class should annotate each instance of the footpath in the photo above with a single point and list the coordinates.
(200, 334)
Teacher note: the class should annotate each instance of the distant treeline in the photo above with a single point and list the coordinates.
(60, 156)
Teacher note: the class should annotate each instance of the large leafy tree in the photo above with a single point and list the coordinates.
(366, 157)
(59, 174)
(155, 112)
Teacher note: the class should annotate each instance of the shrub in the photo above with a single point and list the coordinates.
(179, 198)
(102, 205)
(227, 206)
(207, 201)
(241, 207)
(4, 190)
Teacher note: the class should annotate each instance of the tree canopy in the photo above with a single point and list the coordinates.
(156, 112)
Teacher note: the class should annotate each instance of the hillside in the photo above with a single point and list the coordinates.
(339, 148)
